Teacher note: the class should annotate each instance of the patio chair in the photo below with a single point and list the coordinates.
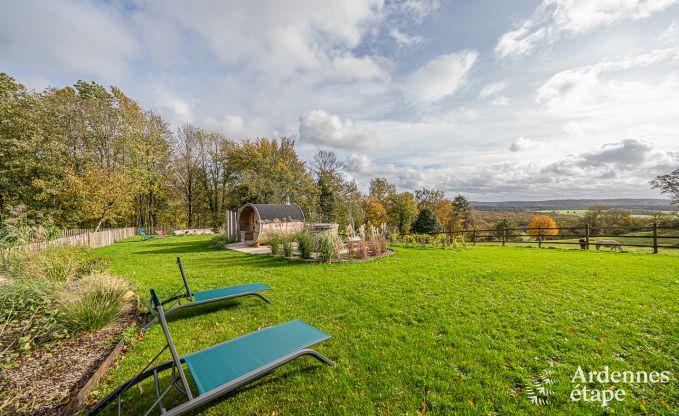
(198, 298)
(145, 236)
(223, 367)
(161, 234)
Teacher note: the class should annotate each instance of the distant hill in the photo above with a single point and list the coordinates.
(634, 205)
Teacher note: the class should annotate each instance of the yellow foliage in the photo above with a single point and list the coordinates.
(375, 213)
(542, 225)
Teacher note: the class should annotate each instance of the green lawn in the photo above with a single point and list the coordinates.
(451, 331)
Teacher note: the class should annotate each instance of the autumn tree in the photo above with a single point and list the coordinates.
(375, 213)
(270, 172)
(436, 201)
(102, 195)
(542, 225)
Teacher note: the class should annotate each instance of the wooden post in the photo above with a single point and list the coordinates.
(539, 236)
(655, 237)
(474, 236)
(504, 236)
(587, 236)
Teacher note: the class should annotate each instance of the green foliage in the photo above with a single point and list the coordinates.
(28, 317)
(505, 227)
(287, 248)
(95, 302)
(427, 222)
(461, 211)
(304, 244)
(402, 211)
(327, 246)
(56, 263)
(275, 240)
(219, 241)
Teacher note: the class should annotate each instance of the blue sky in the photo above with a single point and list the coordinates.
(494, 99)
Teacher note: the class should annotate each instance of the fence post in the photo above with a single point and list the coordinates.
(655, 237)
(539, 236)
(587, 236)
(474, 236)
(504, 236)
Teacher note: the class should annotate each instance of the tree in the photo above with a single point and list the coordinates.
(402, 211)
(428, 198)
(270, 172)
(506, 228)
(328, 172)
(375, 213)
(668, 184)
(187, 171)
(427, 222)
(101, 195)
(381, 189)
(461, 211)
(542, 225)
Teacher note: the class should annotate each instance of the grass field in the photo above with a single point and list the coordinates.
(440, 331)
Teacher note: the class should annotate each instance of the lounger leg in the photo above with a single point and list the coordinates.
(262, 296)
(149, 324)
(317, 355)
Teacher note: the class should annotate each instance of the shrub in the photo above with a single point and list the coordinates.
(219, 241)
(287, 248)
(327, 246)
(95, 302)
(56, 263)
(304, 244)
(275, 240)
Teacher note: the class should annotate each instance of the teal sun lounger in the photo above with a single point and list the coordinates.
(223, 367)
(198, 298)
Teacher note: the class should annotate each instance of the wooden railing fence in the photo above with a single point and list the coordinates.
(651, 237)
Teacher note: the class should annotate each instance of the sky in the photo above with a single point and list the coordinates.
(497, 100)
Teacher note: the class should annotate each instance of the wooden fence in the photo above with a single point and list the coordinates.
(85, 237)
(653, 237)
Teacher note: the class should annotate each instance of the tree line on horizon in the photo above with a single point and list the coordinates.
(87, 156)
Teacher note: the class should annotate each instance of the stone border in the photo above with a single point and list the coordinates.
(80, 399)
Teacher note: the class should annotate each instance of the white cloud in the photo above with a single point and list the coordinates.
(365, 68)
(323, 129)
(440, 77)
(555, 19)
(671, 34)
(76, 38)
(175, 108)
(492, 89)
(492, 92)
(593, 90)
(404, 39)
(523, 143)
(404, 177)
